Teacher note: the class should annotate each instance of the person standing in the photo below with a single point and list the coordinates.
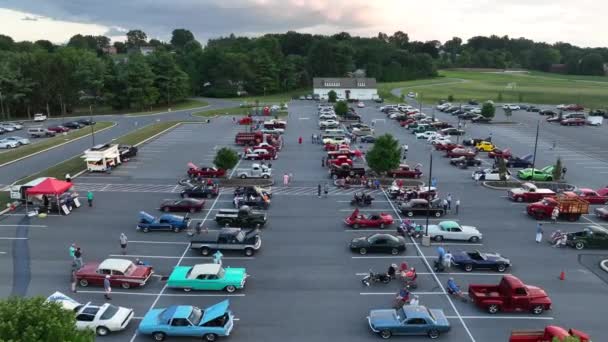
(285, 179)
(300, 140)
(319, 190)
(107, 288)
(449, 201)
(322, 161)
(457, 207)
(447, 260)
(554, 215)
(445, 205)
(90, 198)
(217, 257)
(326, 190)
(123, 243)
(290, 179)
(72, 249)
(564, 172)
(78, 258)
(539, 232)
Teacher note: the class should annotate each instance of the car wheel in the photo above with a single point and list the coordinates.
(146, 229)
(410, 213)
(438, 214)
(501, 268)
(83, 282)
(230, 288)
(385, 334)
(494, 308)
(176, 230)
(265, 176)
(102, 331)
(187, 289)
(243, 176)
(205, 251)
(438, 238)
(520, 199)
(362, 251)
(538, 309)
(125, 285)
(210, 337)
(166, 209)
(579, 245)
(433, 334)
(356, 225)
(248, 251)
(474, 239)
(158, 336)
(468, 267)
(381, 225)
(394, 251)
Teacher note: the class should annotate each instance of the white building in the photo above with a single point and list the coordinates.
(346, 88)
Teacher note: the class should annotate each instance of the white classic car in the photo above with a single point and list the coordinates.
(452, 230)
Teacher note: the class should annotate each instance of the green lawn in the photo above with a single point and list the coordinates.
(540, 88)
(384, 89)
(26, 150)
(105, 110)
(230, 111)
(76, 164)
(273, 98)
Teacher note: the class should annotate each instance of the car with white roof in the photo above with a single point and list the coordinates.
(328, 124)
(426, 135)
(328, 116)
(452, 230)
(511, 107)
(4, 143)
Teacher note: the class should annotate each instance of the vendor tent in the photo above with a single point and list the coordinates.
(50, 186)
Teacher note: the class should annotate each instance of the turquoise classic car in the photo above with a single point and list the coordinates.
(207, 277)
(408, 320)
(186, 320)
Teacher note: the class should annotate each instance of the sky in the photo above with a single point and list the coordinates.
(578, 22)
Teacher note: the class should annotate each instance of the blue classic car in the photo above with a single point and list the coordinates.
(408, 320)
(186, 320)
(470, 261)
(174, 223)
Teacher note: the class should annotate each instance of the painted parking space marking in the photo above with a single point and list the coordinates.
(167, 294)
(392, 257)
(160, 242)
(23, 225)
(14, 238)
(393, 293)
(503, 317)
(452, 273)
(176, 257)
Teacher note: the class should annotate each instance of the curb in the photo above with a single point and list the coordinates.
(604, 265)
(53, 147)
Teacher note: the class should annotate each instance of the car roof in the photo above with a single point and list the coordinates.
(449, 224)
(418, 200)
(415, 311)
(598, 229)
(205, 269)
(116, 264)
(176, 311)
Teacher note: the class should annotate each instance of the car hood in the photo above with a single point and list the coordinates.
(215, 311)
(150, 321)
(469, 229)
(535, 291)
(440, 318)
(383, 318)
(360, 241)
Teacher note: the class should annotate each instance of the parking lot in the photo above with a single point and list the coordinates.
(305, 283)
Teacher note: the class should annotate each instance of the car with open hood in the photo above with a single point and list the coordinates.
(452, 230)
(408, 320)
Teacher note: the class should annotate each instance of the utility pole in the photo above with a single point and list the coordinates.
(2, 103)
(91, 124)
(535, 144)
(426, 239)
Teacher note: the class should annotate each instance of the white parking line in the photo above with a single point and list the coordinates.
(175, 257)
(366, 210)
(24, 225)
(393, 293)
(503, 317)
(391, 257)
(168, 294)
(13, 238)
(160, 242)
(375, 201)
(454, 273)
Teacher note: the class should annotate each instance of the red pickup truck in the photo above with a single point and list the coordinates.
(511, 294)
(550, 334)
(528, 192)
(570, 207)
(250, 139)
(340, 160)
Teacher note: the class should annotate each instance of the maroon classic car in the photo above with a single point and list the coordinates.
(182, 205)
(58, 129)
(447, 146)
(405, 171)
(205, 171)
(459, 152)
(590, 195)
(504, 153)
(122, 272)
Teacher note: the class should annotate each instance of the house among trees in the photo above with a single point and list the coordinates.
(346, 88)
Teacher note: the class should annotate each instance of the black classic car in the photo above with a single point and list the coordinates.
(243, 217)
(200, 191)
(378, 243)
(420, 206)
(227, 239)
(517, 162)
(252, 191)
(470, 261)
(590, 237)
(127, 151)
(465, 161)
(73, 125)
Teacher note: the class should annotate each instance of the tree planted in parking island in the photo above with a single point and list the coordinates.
(385, 155)
(502, 168)
(488, 110)
(341, 108)
(332, 96)
(35, 319)
(226, 158)
(557, 170)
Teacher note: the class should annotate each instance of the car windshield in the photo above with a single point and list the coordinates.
(195, 316)
(111, 310)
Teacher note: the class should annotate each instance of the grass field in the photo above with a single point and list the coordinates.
(535, 87)
(187, 104)
(384, 89)
(273, 98)
(23, 151)
(229, 111)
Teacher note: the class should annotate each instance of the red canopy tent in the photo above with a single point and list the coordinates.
(50, 186)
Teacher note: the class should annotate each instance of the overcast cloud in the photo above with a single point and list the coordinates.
(579, 22)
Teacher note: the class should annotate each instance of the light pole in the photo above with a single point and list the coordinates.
(91, 123)
(535, 145)
(2, 103)
(426, 239)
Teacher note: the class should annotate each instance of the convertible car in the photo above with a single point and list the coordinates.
(356, 220)
(408, 320)
(470, 261)
(182, 205)
(378, 243)
(207, 277)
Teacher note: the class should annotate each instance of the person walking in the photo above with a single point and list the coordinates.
(72, 249)
(123, 243)
(285, 179)
(539, 232)
(326, 190)
(217, 257)
(319, 190)
(322, 161)
(457, 207)
(74, 281)
(554, 215)
(449, 201)
(564, 169)
(300, 140)
(107, 288)
(90, 198)
(445, 205)
(78, 258)
(447, 260)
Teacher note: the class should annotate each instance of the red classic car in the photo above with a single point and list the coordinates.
(574, 107)
(405, 171)
(573, 122)
(356, 220)
(182, 205)
(345, 152)
(603, 191)
(459, 152)
(589, 195)
(122, 272)
(259, 154)
(58, 129)
(504, 153)
(447, 146)
(340, 160)
(205, 171)
(246, 121)
(266, 146)
(404, 123)
(336, 147)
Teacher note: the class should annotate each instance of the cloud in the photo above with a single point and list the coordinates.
(26, 18)
(115, 31)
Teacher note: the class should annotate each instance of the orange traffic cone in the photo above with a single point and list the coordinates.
(562, 275)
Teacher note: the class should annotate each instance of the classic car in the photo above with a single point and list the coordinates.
(356, 220)
(227, 239)
(122, 272)
(368, 139)
(442, 125)
(58, 129)
(447, 146)
(242, 217)
(500, 153)
(247, 120)
(405, 171)
(573, 122)
(590, 237)
(438, 139)
(73, 125)
(169, 222)
(548, 112)
(182, 205)
(510, 295)
(420, 206)
(362, 131)
(490, 175)
(378, 243)
(519, 162)
(475, 141)
(201, 191)
(452, 131)
(275, 123)
(186, 320)
(103, 319)
(329, 124)
(554, 118)
(467, 116)
(485, 146)
(460, 152)
(254, 171)
(544, 174)
(601, 212)
(205, 171)
(340, 161)
(548, 334)
(273, 130)
(465, 161)
(252, 191)
(328, 116)
(574, 107)
(452, 230)
(421, 128)
(257, 201)
(127, 152)
(480, 119)
(511, 107)
(470, 261)
(259, 154)
(425, 135)
(408, 320)
(336, 147)
(207, 277)
(589, 195)
(336, 140)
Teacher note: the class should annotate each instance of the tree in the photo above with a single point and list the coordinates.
(341, 108)
(502, 169)
(332, 96)
(169, 79)
(450, 98)
(35, 319)
(181, 37)
(226, 158)
(385, 155)
(591, 64)
(140, 89)
(557, 170)
(488, 110)
(136, 38)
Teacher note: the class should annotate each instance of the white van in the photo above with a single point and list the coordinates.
(39, 117)
(39, 132)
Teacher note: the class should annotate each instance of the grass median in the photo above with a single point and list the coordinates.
(106, 110)
(77, 164)
(27, 150)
